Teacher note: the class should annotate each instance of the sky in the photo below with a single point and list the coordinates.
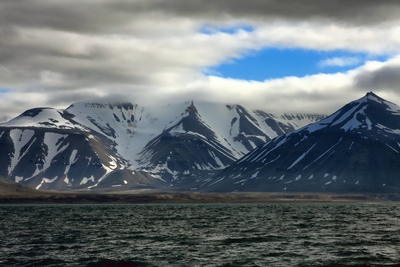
(297, 56)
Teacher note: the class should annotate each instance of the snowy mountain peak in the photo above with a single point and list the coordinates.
(190, 122)
(373, 95)
(192, 110)
(367, 113)
(355, 149)
(43, 118)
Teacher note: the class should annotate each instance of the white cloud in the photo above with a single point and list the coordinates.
(375, 40)
(339, 62)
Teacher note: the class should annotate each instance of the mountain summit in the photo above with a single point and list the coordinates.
(356, 149)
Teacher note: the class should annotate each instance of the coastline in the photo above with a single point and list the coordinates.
(51, 197)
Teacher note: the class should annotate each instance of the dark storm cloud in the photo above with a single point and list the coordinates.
(77, 16)
(348, 11)
(66, 98)
(386, 78)
(104, 16)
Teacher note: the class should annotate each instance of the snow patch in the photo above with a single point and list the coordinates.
(46, 180)
(351, 145)
(156, 176)
(217, 181)
(18, 179)
(241, 181)
(369, 124)
(254, 175)
(324, 153)
(217, 160)
(271, 160)
(392, 148)
(345, 116)
(301, 157)
(85, 180)
(72, 160)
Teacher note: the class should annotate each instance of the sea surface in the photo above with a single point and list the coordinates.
(200, 235)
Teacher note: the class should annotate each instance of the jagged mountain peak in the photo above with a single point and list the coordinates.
(372, 96)
(368, 113)
(192, 105)
(191, 122)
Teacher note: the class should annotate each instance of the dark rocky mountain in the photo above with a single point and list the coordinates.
(356, 149)
(126, 146)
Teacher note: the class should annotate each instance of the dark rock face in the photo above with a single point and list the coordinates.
(356, 149)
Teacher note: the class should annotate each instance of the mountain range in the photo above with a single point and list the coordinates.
(121, 146)
(356, 149)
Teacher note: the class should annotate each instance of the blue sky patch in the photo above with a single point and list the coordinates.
(210, 29)
(275, 63)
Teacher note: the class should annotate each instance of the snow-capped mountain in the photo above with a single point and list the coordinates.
(126, 146)
(356, 149)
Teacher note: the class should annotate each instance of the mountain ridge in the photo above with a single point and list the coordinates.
(356, 149)
(92, 145)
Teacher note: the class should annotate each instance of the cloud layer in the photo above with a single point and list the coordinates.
(53, 53)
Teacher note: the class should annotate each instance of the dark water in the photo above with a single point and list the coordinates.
(200, 235)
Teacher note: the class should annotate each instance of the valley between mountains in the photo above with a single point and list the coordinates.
(204, 147)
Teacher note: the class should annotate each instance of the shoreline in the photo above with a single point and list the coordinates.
(49, 197)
